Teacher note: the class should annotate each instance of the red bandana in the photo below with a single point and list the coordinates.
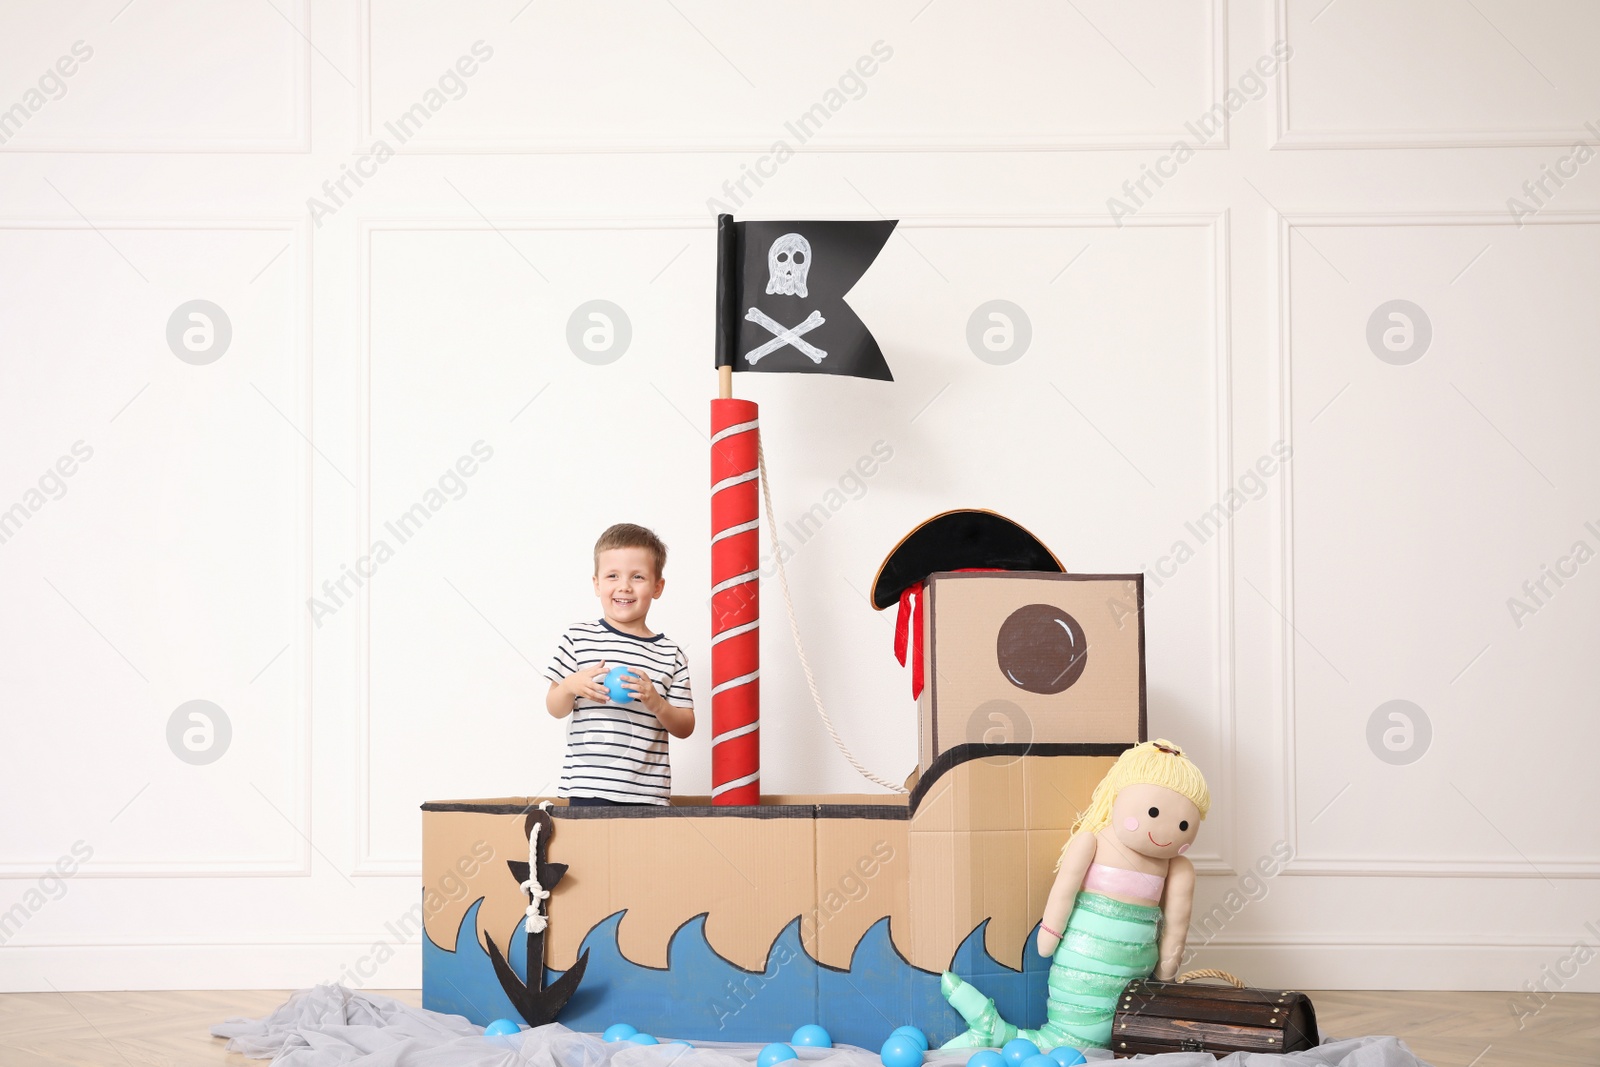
(909, 621)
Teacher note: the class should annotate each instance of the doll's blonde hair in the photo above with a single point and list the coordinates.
(1158, 762)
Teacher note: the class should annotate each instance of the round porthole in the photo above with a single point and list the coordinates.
(1041, 649)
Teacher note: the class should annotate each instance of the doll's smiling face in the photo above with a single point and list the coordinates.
(1154, 821)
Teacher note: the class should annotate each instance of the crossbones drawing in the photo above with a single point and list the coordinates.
(784, 335)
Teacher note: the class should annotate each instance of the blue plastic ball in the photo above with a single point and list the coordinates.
(1040, 1060)
(1017, 1050)
(986, 1057)
(812, 1036)
(619, 1032)
(643, 1039)
(901, 1050)
(500, 1027)
(776, 1052)
(614, 688)
(914, 1034)
(1067, 1056)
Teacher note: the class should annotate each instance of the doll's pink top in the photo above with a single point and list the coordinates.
(1103, 879)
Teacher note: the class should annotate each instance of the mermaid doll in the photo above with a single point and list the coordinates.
(1119, 907)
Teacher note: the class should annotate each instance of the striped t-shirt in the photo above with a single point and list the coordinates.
(619, 751)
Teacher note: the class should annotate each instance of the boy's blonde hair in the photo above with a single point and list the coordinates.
(1158, 762)
(627, 535)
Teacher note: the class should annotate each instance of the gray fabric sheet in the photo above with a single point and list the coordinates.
(331, 1026)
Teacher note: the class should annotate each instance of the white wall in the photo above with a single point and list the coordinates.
(377, 338)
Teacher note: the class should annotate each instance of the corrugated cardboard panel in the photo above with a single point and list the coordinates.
(969, 689)
(1000, 868)
(1059, 787)
(937, 808)
(751, 876)
(830, 801)
(464, 858)
(1044, 852)
(925, 751)
(990, 793)
(583, 896)
(863, 875)
(1004, 963)
(941, 896)
(1001, 876)
(957, 881)
(980, 848)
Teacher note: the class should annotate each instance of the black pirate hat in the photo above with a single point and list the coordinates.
(969, 539)
(965, 539)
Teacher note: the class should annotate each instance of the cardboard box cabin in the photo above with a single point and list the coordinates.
(743, 923)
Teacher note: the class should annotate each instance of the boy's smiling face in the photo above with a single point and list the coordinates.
(626, 582)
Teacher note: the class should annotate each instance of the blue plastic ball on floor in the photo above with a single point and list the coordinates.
(986, 1057)
(614, 688)
(812, 1036)
(501, 1027)
(1041, 1060)
(1067, 1056)
(643, 1039)
(901, 1050)
(1017, 1050)
(914, 1034)
(619, 1032)
(776, 1052)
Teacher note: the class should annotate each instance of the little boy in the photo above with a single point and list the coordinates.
(617, 753)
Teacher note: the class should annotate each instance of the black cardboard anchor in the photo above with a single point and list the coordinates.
(536, 1004)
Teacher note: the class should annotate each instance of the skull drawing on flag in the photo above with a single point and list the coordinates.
(788, 262)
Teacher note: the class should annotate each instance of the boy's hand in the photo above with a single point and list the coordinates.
(644, 691)
(586, 683)
(679, 722)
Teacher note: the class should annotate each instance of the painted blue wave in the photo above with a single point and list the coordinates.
(461, 980)
(701, 996)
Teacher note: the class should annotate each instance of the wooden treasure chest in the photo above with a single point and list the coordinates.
(1180, 1016)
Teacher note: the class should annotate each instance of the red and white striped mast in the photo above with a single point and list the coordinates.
(786, 264)
(735, 598)
(735, 552)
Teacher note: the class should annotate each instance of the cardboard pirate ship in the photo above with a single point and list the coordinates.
(739, 922)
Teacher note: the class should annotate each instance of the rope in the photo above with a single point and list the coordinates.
(1211, 973)
(794, 626)
(537, 894)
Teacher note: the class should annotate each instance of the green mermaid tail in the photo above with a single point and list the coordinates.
(1107, 944)
(985, 1027)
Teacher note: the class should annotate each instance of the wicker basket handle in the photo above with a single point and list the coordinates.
(1211, 973)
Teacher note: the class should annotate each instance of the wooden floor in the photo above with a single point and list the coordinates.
(172, 1029)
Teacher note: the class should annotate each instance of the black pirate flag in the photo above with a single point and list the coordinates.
(780, 296)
